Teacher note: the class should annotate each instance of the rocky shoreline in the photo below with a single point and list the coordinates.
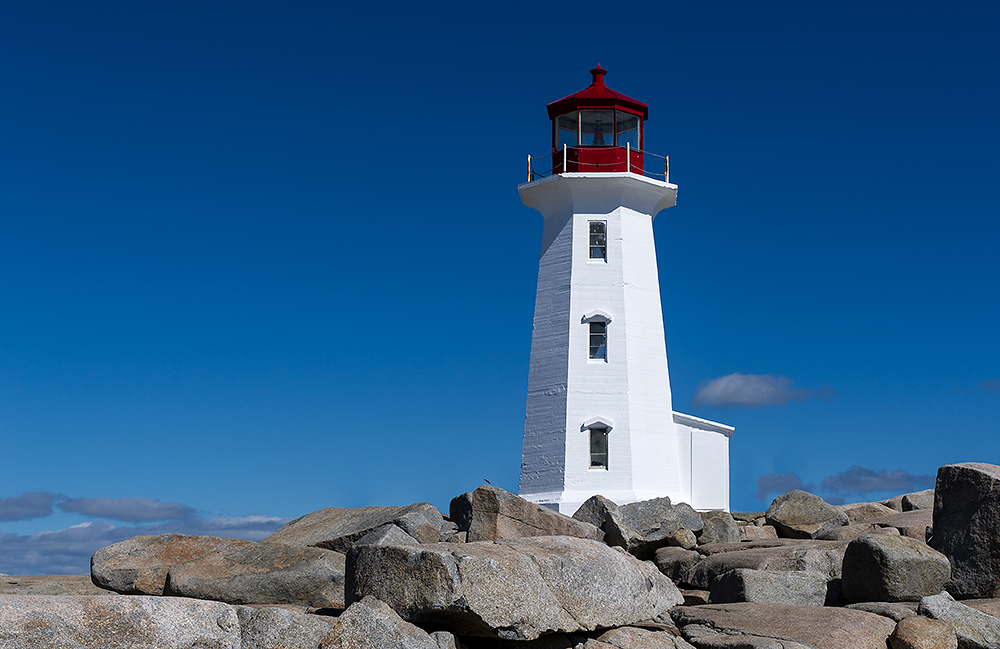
(920, 570)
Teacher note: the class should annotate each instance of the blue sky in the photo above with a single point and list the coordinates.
(266, 258)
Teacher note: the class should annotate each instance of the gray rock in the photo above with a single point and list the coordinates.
(775, 586)
(446, 640)
(262, 573)
(338, 528)
(460, 511)
(919, 632)
(851, 532)
(881, 568)
(990, 606)
(719, 527)
(801, 515)
(595, 510)
(683, 538)
(370, 624)
(49, 585)
(116, 622)
(280, 628)
(746, 518)
(676, 562)
(967, 527)
(139, 565)
(516, 589)
(498, 514)
(825, 557)
(895, 611)
(865, 512)
(913, 523)
(708, 638)
(756, 533)
(388, 534)
(812, 627)
(975, 629)
(644, 526)
(918, 500)
(630, 637)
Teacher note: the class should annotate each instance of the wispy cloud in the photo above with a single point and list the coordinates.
(989, 385)
(859, 480)
(754, 391)
(68, 551)
(33, 504)
(129, 510)
(855, 482)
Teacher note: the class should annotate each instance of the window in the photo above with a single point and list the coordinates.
(628, 129)
(566, 130)
(598, 240)
(597, 127)
(598, 447)
(599, 340)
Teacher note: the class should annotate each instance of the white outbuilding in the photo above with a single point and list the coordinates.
(599, 417)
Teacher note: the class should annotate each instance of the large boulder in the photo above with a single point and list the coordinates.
(116, 622)
(851, 532)
(975, 629)
(493, 513)
(719, 527)
(882, 568)
(865, 512)
(802, 515)
(967, 527)
(775, 586)
(49, 585)
(370, 624)
(918, 632)
(676, 562)
(631, 637)
(913, 523)
(263, 573)
(644, 526)
(281, 628)
(595, 510)
(515, 589)
(819, 627)
(139, 565)
(918, 500)
(825, 557)
(338, 528)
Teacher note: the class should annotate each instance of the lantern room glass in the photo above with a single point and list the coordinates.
(627, 129)
(566, 130)
(597, 127)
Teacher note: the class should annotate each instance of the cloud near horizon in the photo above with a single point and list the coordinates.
(127, 510)
(754, 391)
(855, 481)
(68, 551)
(29, 505)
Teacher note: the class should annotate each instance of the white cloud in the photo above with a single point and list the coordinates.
(754, 391)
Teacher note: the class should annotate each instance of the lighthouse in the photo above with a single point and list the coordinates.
(599, 417)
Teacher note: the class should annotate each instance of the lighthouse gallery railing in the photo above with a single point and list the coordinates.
(534, 173)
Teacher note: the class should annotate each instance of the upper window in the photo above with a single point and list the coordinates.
(599, 240)
(599, 340)
(598, 447)
(628, 129)
(566, 130)
(597, 127)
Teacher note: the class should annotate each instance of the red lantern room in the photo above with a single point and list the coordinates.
(597, 129)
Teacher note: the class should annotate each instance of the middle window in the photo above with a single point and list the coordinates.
(599, 340)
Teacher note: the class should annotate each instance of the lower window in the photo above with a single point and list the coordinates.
(598, 448)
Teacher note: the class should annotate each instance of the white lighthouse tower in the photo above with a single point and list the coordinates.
(599, 418)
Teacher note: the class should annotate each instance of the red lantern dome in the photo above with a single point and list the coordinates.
(597, 129)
